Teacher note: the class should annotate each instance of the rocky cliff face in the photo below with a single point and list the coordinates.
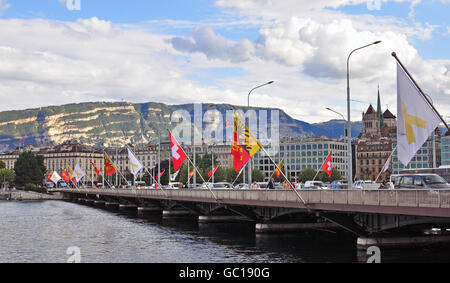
(119, 123)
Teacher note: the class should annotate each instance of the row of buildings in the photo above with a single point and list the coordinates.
(370, 151)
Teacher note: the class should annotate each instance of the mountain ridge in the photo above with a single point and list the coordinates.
(119, 123)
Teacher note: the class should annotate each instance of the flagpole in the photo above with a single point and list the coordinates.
(117, 169)
(292, 186)
(159, 184)
(382, 170)
(240, 172)
(420, 90)
(195, 169)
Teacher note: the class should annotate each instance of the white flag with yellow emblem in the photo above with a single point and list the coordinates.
(134, 164)
(416, 119)
(78, 173)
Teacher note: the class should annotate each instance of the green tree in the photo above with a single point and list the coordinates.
(230, 176)
(258, 175)
(307, 174)
(219, 175)
(2, 164)
(6, 176)
(29, 169)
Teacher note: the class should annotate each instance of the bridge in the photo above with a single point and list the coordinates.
(364, 213)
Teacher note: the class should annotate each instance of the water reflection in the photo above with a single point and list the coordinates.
(43, 231)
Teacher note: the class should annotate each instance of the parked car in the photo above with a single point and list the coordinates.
(174, 185)
(140, 184)
(338, 184)
(49, 185)
(191, 186)
(315, 185)
(242, 186)
(219, 186)
(263, 185)
(422, 181)
(359, 184)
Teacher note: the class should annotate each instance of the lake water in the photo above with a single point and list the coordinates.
(43, 232)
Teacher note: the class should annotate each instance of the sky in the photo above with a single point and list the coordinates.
(55, 52)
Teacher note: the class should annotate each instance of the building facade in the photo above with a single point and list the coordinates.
(445, 150)
(299, 154)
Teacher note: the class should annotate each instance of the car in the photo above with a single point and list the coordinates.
(314, 185)
(198, 186)
(278, 186)
(338, 184)
(422, 181)
(63, 185)
(263, 185)
(49, 185)
(174, 185)
(218, 186)
(242, 186)
(359, 184)
(140, 184)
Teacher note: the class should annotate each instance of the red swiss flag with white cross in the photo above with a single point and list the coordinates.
(327, 165)
(178, 154)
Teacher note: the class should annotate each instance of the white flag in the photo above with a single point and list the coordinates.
(174, 176)
(134, 164)
(55, 177)
(416, 119)
(78, 173)
(386, 165)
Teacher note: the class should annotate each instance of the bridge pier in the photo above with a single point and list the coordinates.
(112, 204)
(292, 227)
(99, 202)
(223, 219)
(177, 213)
(81, 200)
(365, 242)
(144, 210)
(127, 207)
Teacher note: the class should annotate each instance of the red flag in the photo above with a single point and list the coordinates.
(240, 155)
(278, 172)
(110, 168)
(178, 154)
(49, 177)
(160, 174)
(95, 169)
(74, 181)
(327, 167)
(213, 171)
(65, 176)
(191, 173)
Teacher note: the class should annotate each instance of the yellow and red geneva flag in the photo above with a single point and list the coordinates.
(110, 168)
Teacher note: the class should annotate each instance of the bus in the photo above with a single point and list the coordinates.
(443, 171)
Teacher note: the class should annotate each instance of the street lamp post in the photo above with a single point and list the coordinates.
(434, 137)
(248, 103)
(329, 109)
(212, 159)
(349, 138)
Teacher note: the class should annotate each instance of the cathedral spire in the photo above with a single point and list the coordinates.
(379, 109)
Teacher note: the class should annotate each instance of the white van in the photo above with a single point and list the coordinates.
(174, 185)
(315, 185)
(140, 184)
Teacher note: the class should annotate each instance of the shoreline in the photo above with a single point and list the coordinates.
(27, 196)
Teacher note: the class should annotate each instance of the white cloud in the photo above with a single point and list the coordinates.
(299, 46)
(214, 46)
(48, 62)
(4, 6)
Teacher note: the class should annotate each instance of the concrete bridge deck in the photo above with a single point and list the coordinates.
(435, 203)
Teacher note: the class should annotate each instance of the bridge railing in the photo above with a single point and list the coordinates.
(405, 197)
